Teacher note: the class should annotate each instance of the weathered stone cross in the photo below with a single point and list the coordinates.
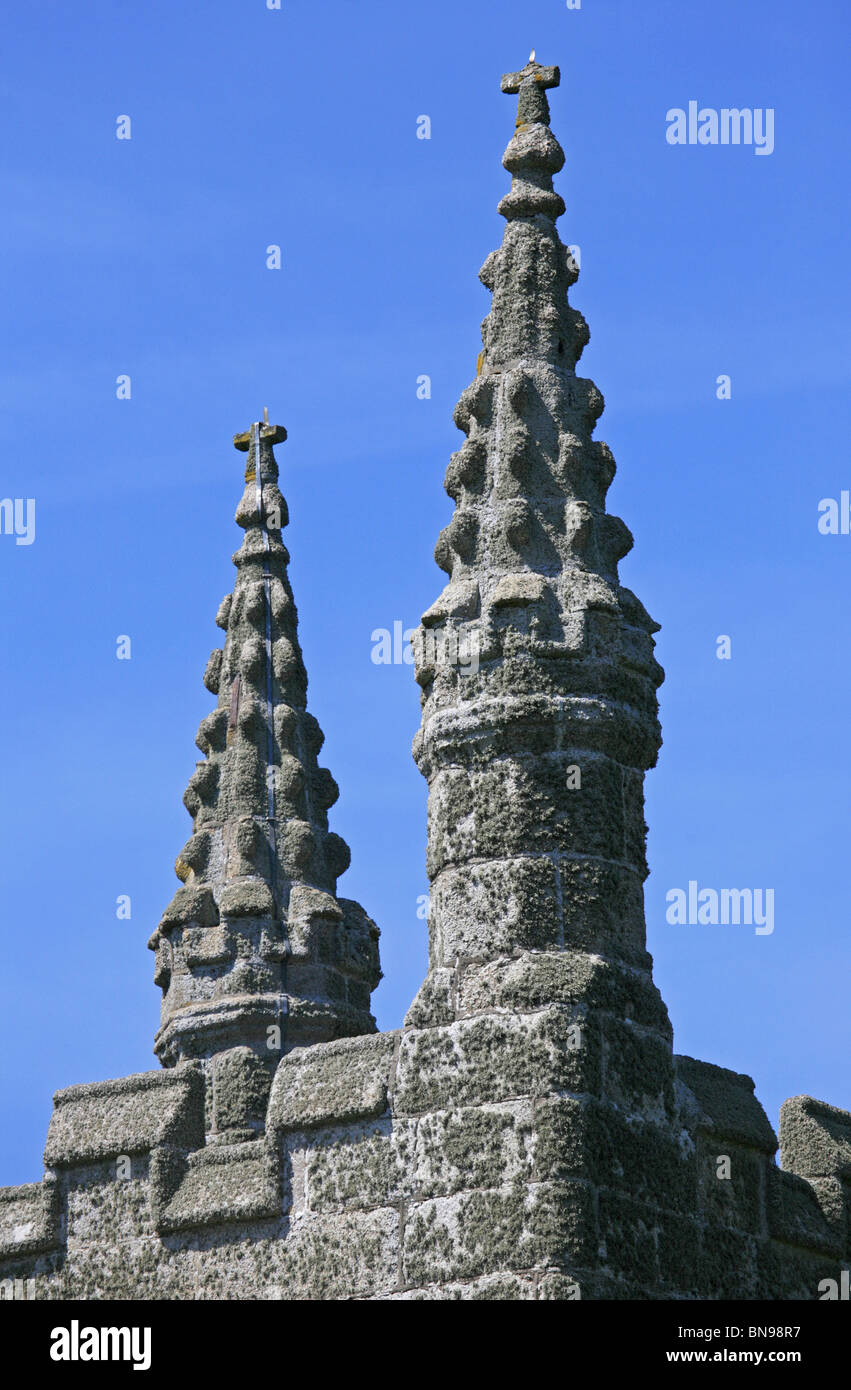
(511, 82)
(272, 434)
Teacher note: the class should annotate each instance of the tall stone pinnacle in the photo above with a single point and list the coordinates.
(255, 953)
(539, 709)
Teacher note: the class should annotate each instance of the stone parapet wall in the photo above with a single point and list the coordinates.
(486, 1157)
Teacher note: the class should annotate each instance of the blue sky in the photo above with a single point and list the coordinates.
(148, 257)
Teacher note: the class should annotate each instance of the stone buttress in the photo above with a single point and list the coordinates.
(528, 1133)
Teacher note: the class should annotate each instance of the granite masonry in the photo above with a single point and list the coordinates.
(528, 1133)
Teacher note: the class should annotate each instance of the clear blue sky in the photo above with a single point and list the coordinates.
(147, 257)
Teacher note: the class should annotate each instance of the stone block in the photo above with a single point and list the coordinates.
(128, 1116)
(434, 1002)
(486, 1232)
(795, 1216)
(248, 897)
(727, 1263)
(518, 805)
(496, 908)
(639, 1075)
(224, 1183)
(628, 1233)
(537, 979)
(332, 1083)
(597, 1141)
(241, 1084)
(737, 1200)
(103, 1204)
(205, 946)
(603, 907)
(29, 1218)
(727, 1103)
(783, 1272)
(485, 1146)
(128, 1270)
(316, 1258)
(815, 1138)
(497, 1057)
(359, 1167)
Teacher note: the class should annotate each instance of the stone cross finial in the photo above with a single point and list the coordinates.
(511, 82)
(271, 434)
(531, 84)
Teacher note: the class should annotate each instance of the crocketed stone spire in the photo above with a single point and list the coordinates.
(539, 720)
(256, 953)
(539, 710)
